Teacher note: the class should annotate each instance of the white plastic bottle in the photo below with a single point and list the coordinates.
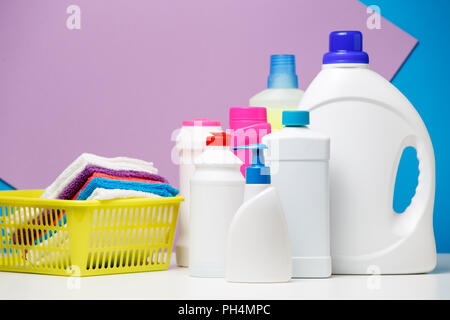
(190, 142)
(258, 247)
(370, 124)
(282, 91)
(298, 158)
(217, 192)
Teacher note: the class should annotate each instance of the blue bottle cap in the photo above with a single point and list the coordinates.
(258, 172)
(295, 118)
(282, 72)
(346, 47)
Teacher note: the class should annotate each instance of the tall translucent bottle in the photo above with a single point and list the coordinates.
(282, 91)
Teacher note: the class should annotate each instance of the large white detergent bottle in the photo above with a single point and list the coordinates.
(370, 124)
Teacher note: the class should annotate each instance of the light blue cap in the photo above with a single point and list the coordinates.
(282, 72)
(258, 172)
(295, 118)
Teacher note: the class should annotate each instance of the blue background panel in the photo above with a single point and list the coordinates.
(5, 186)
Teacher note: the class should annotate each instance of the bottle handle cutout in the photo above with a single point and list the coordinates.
(421, 206)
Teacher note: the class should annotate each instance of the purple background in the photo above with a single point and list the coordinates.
(136, 69)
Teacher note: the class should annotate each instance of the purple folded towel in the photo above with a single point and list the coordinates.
(71, 190)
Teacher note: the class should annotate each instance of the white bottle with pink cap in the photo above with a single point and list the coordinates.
(247, 127)
(190, 142)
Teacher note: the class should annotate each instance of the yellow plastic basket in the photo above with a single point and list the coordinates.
(85, 238)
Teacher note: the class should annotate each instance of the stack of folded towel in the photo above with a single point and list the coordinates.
(91, 177)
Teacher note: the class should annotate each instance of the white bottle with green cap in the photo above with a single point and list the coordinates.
(258, 246)
(298, 158)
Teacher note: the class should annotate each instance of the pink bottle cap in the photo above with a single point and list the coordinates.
(248, 125)
(241, 117)
(201, 122)
(248, 113)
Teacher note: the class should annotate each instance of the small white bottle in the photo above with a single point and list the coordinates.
(258, 248)
(217, 192)
(299, 159)
(282, 91)
(190, 143)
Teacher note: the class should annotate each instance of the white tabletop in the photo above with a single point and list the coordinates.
(175, 283)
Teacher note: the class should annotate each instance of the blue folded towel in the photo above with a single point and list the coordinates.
(161, 189)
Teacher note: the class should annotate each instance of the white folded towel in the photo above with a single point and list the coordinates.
(76, 167)
(106, 194)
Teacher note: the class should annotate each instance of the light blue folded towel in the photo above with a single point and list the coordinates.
(161, 189)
